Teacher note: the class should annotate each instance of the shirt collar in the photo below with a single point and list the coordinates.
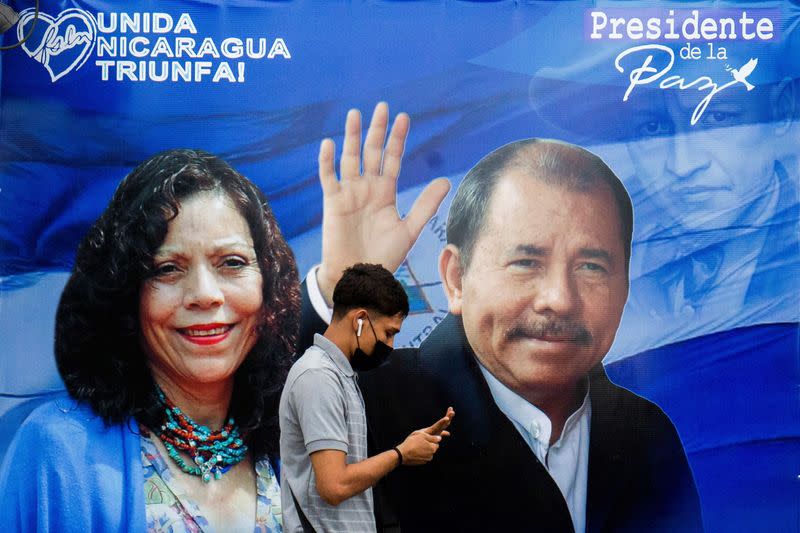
(336, 355)
(527, 415)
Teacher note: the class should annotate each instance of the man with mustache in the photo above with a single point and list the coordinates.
(536, 276)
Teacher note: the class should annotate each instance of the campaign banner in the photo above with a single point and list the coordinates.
(694, 105)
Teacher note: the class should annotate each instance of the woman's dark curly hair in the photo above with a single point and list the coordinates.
(97, 342)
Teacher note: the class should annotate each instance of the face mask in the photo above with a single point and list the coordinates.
(362, 362)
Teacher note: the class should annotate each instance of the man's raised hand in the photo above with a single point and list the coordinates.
(360, 222)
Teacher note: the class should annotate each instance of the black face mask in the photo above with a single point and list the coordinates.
(362, 362)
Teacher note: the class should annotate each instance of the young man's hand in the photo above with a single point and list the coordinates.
(421, 445)
(360, 223)
(337, 480)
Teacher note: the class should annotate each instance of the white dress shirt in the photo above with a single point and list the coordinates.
(315, 295)
(567, 460)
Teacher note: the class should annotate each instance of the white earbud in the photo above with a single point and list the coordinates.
(360, 324)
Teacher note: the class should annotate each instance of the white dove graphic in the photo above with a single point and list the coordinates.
(745, 70)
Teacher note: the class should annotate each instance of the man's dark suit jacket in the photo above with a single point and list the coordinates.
(486, 478)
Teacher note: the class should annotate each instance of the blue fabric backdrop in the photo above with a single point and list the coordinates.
(710, 331)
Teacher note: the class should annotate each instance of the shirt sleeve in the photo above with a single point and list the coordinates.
(315, 295)
(320, 406)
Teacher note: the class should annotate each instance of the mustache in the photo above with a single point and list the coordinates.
(569, 329)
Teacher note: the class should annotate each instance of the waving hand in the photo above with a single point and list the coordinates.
(360, 221)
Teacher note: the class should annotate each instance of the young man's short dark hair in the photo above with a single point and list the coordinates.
(371, 287)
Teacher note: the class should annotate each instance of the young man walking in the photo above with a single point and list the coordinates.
(326, 476)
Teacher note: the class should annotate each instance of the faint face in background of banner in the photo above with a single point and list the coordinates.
(713, 174)
(542, 296)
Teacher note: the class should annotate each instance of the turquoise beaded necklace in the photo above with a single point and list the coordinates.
(213, 452)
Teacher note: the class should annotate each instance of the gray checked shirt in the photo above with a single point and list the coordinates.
(321, 408)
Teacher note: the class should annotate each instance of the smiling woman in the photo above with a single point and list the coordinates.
(173, 337)
(200, 310)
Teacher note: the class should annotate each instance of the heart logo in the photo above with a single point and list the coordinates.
(64, 43)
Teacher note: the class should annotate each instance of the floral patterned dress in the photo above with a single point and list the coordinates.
(169, 509)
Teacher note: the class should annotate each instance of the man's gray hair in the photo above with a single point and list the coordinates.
(552, 162)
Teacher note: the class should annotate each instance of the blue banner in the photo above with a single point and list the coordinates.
(694, 105)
